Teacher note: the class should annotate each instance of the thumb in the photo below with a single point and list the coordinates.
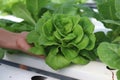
(22, 44)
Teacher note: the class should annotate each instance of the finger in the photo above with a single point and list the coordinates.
(22, 44)
(24, 34)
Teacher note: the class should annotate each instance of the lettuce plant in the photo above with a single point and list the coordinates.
(109, 50)
(109, 53)
(62, 39)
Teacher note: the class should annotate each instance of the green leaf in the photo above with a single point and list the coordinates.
(5, 5)
(118, 14)
(63, 24)
(58, 36)
(20, 27)
(20, 10)
(69, 37)
(101, 37)
(117, 5)
(89, 55)
(113, 33)
(116, 40)
(43, 40)
(69, 53)
(107, 10)
(68, 8)
(48, 27)
(87, 25)
(80, 60)
(38, 50)
(92, 40)
(83, 43)
(35, 6)
(58, 1)
(118, 75)
(56, 60)
(116, 50)
(2, 52)
(87, 11)
(48, 30)
(65, 7)
(107, 7)
(98, 2)
(112, 22)
(76, 20)
(45, 29)
(78, 31)
(32, 37)
(63, 1)
(108, 53)
(41, 22)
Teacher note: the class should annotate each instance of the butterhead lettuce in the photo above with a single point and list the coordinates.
(61, 37)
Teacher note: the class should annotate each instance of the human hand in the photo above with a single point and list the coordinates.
(15, 41)
(24, 46)
(21, 43)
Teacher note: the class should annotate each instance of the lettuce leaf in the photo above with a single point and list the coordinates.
(111, 54)
(2, 52)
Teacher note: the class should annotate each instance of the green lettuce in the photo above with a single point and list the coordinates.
(109, 50)
(61, 38)
(6, 5)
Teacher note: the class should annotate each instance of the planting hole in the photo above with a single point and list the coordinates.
(38, 78)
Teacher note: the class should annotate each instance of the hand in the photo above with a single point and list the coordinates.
(16, 41)
(24, 46)
(21, 43)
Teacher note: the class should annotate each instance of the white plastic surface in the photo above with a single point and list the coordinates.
(92, 71)
(12, 73)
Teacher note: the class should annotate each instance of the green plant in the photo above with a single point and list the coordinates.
(109, 50)
(61, 38)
